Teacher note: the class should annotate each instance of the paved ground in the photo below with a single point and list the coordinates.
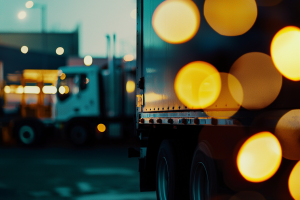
(66, 173)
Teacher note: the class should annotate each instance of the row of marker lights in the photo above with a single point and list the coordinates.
(36, 90)
(59, 50)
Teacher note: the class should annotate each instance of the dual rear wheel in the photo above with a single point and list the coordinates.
(179, 176)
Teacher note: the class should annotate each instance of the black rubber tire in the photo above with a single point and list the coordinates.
(172, 171)
(29, 133)
(80, 135)
(203, 178)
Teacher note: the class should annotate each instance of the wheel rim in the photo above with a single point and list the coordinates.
(200, 184)
(163, 179)
(26, 134)
(78, 135)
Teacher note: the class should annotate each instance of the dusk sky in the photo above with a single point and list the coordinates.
(95, 19)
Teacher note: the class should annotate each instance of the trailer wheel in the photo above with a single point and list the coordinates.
(203, 175)
(79, 135)
(171, 175)
(28, 132)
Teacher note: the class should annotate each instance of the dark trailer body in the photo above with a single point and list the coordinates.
(175, 139)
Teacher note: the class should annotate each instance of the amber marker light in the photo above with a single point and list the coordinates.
(294, 182)
(285, 50)
(230, 17)
(101, 128)
(176, 22)
(197, 85)
(259, 157)
(130, 86)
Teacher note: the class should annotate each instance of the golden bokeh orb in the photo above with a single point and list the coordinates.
(226, 105)
(130, 86)
(260, 80)
(177, 21)
(259, 157)
(288, 133)
(294, 182)
(198, 85)
(230, 17)
(285, 50)
(101, 128)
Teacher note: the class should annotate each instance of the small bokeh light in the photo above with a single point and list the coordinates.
(32, 90)
(130, 86)
(29, 4)
(62, 90)
(22, 15)
(128, 58)
(49, 89)
(88, 60)
(176, 28)
(24, 49)
(101, 128)
(7, 89)
(259, 157)
(63, 76)
(60, 51)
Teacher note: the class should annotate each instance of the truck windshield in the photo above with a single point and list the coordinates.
(71, 84)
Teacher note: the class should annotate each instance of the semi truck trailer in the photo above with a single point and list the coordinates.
(217, 101)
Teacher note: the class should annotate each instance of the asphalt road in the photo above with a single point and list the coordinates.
(99, 173)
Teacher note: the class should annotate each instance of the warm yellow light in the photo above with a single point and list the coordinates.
(29, 4)
(88, 60)
(288, 133)
(259, 157)
(226, 105)
(24, 49)
(128, 58)
(133, 14)
(285, 50)
(197, 85)
(230, 17)
(62, 90)
(101, 128)
(260, 80)
(22, 15)
(130, 86)
(31, 90)
(7, 89)
(49, 89)
(63, 76)
(152, 97)
(294, 182)
(19, 89)
(176, 22)
(67, 90)
(60, 51)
